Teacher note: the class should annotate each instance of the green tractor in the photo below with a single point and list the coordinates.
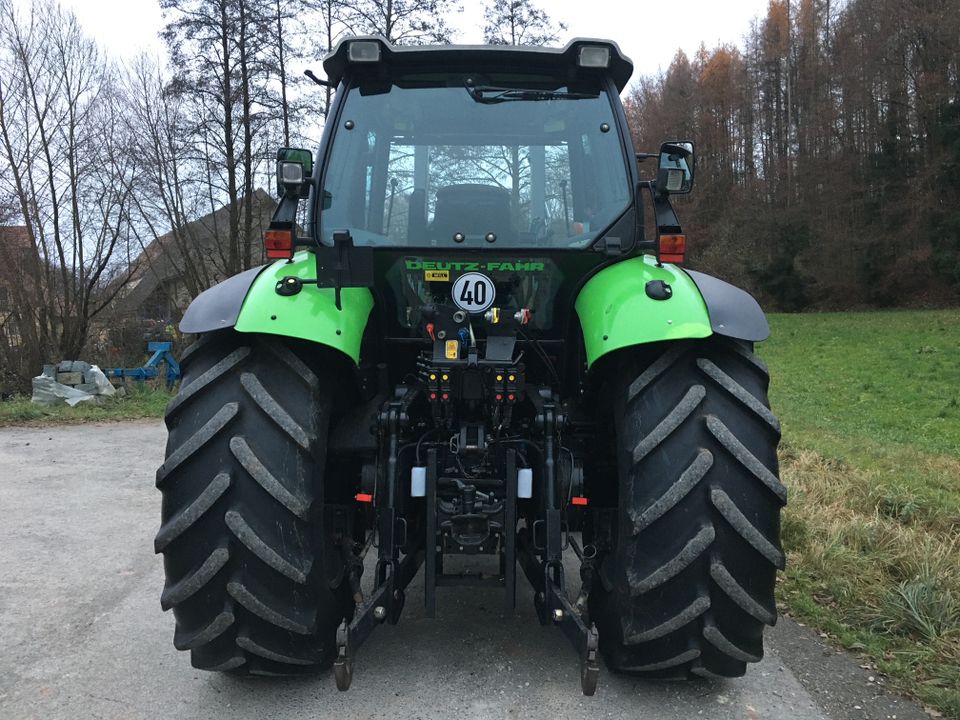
(467, 344)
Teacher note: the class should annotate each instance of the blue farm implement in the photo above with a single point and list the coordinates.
(151, 369)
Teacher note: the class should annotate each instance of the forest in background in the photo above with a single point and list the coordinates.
(828, 151)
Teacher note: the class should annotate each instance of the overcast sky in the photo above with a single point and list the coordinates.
(648, 32)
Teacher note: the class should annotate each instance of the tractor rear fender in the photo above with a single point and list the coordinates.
(249, 302)
(619, 307)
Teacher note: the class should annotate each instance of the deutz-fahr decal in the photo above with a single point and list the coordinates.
(468, 266)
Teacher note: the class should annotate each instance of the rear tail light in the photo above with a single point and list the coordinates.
(278, 244)
(672, 248)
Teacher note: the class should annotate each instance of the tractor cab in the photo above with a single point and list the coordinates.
(430, 153)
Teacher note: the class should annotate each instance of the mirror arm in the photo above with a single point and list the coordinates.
(285, 216)
(318, 81)
(297, 191)
(642, 244)
(666, 216)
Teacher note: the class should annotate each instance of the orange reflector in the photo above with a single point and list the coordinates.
(364, 497)
(578, 500)
(278, 244)
(672, 248)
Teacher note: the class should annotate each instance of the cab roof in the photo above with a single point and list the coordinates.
(553, 61)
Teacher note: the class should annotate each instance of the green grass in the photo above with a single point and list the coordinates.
(141, 401)
(883, 376)
(870, 407)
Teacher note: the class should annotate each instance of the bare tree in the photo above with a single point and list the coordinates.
(327, 22)
(170, 184)
(404, 22)
(221, 50)
(519, 22)
(70, 173)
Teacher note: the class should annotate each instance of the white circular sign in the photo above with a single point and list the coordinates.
(473, 292)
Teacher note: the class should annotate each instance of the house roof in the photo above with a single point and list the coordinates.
(15, 236)
(162, 260)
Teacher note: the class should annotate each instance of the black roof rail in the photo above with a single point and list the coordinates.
(479, 57)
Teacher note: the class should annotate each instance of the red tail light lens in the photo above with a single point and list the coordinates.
(278, 244)
(672, 248)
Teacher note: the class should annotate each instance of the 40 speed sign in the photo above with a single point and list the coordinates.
(473, 292)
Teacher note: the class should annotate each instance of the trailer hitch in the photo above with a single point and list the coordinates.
(542, 563)
(384, 604)
(553, 606)
(393, 573)
(350, 637)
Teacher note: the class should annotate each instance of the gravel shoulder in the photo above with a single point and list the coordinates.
(84, 637)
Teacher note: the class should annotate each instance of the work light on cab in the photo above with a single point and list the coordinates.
(364, 51)
(594, 56)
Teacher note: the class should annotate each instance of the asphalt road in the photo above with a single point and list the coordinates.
(82, 634)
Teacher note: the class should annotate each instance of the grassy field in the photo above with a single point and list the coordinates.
(141, 401)
(870, 406)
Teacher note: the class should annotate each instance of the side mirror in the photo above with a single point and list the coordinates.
(294, 168)
(675, 171)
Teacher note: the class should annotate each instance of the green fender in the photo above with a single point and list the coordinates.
(615, 311)
(311, 314)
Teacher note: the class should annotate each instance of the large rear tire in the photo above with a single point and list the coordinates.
(251, 576)
(689, 584)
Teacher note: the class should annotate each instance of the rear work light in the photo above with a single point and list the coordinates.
(672, 248)
(365, 51)
(291, 173)
(594, 56)
(278, 244)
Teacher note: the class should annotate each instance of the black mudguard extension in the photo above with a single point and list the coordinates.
(219, 307)
(733, 312)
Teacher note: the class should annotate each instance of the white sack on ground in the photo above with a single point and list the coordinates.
(47, 391)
